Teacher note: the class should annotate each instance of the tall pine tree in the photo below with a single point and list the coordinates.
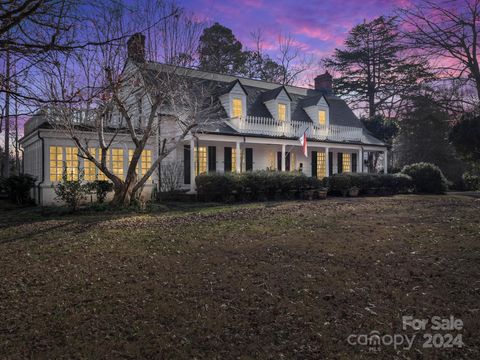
(375, 71)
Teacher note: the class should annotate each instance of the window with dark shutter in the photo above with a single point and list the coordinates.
(340, 163)
(279, 161)
(186, 164)
(248, 159)
(354, 162)
(212, 158)
(227, 159)
(314, 164)
(287, 161)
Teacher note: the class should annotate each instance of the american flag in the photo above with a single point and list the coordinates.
(303, 141)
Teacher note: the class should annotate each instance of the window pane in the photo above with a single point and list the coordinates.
(237, 107)
(56, 163)
(321, 165)
(71, 162)
(282, 112)
(117, 162)
(347, 162)
(146, 161)
(89, 166)
(234, 159)
(322, 117)
(201, 157)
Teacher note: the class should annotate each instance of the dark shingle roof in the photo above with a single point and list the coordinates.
(339, 112)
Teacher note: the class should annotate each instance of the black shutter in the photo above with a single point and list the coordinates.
(354, 163)
(279, 161)
(340, 163)
(314, 164)
(248, 159)
(330, 163)
(186, 164)
(287, 161)
(227, 159)
(212, 158)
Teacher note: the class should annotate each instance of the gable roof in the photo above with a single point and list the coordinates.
(232, 85)
(273, 94)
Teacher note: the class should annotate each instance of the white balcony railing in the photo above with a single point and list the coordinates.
(276, 128)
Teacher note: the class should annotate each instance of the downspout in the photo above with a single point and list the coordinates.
(43, 168)
(362, 157)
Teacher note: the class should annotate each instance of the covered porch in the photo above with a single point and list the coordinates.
(207, 153)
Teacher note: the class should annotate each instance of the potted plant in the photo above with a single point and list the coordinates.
(353, 191)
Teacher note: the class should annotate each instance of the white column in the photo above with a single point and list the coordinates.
(359, 160)
(283, 158)
(193, 171)
(385, 162)
(238, 164)
(327, 162)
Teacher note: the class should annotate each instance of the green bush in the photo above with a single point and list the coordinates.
(101, 189)
(369, 183)
(253, 185)
(72, 192)
(18, 188)
(471, 181)
(427, 178)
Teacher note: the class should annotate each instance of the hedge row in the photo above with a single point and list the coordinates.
(254, 185)
(378, 184)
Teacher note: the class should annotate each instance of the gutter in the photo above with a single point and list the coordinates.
(43, 168)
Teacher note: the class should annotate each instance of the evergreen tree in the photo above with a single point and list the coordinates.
(220, 51)
(423, 137)
(375, 71)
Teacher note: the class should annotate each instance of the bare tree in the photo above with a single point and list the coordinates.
(446, 31)
(292, 59)
(100, 100)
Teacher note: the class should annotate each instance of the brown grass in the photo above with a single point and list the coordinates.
(263, 281)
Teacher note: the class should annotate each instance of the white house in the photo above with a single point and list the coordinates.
(258, 127)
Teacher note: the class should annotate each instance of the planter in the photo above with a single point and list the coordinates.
(353, 191)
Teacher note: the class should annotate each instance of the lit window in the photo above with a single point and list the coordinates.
(71, 162)
(200, 160)
(117, 162)
(346, 162)
(293, 161)
(90, 167)
(146, 161)
(282, 112)
(234, 159)
(237, 107)
(56, 163)
(100, 174)
(321, 165)
(322, 117)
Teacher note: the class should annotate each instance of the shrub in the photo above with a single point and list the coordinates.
(254, 185)
(427, 178)
(471, 181)
(18, 188)
(72, 192)
(214, 186)
(340, 183)
(101, 189)
(369, 183)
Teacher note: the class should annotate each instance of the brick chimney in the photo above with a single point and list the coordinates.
(324, 83)
(136, 48)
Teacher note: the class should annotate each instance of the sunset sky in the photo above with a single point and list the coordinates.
(319, 26)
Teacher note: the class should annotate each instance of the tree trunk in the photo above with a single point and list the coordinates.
(124, 194)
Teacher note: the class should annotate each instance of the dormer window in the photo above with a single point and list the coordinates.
(322, 117)
(282, 112)
(237, 107)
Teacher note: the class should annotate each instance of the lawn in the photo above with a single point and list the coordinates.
(288, 280)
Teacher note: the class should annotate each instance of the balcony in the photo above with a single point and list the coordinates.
(275, 128)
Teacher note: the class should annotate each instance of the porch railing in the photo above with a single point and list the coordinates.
(271, 127)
